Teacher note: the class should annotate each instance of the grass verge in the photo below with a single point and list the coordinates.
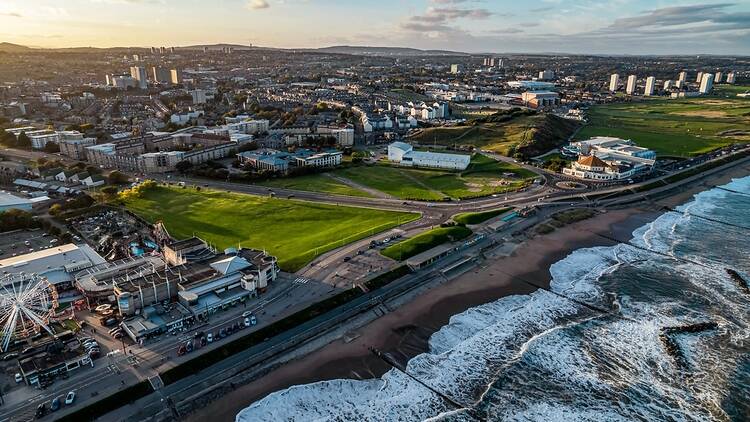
(478, 217)
(425, 241)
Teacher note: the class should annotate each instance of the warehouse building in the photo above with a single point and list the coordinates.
(404, 154)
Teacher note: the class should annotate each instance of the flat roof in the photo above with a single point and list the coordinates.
(7, 200)
(430, 254)
(66, 256)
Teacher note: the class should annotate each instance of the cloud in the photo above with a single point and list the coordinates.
(257, 4)
(11, 14)
(439, 19)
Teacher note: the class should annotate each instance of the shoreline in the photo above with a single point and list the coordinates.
(405, 332)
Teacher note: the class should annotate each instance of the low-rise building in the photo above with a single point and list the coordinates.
(608, 159)
(404, 154)
(538, 99)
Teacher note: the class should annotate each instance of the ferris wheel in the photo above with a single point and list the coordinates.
(26, 305)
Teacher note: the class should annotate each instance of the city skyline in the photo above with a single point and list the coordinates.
(576, 26)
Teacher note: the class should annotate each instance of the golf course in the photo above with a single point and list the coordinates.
(294, 231)
(673, 127)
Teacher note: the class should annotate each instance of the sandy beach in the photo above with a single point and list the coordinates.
(404, 332)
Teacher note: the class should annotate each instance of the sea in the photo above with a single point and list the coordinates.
(593, 348)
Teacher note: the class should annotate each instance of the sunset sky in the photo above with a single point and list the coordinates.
(574, 26)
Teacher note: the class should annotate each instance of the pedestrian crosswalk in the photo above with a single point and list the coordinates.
(301, 280)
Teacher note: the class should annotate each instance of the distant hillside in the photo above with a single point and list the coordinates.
(13, 48)
(216, 47)
(385, 51)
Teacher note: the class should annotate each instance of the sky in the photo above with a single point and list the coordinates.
(499, 26)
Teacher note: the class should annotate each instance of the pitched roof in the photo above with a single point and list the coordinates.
(230, 265)
(591, 161)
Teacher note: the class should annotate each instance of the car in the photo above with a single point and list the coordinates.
(90, 344)
(70, 398)
(117, 335)
(247, 322)
(222, 333)
(41, 410)
(94, 354)
(19, 378)
(253, 320)
(347, 258)
(56, 403)
(210, 337)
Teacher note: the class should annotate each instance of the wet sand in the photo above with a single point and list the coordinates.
(404, 332)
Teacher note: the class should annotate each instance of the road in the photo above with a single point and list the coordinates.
(103, 379)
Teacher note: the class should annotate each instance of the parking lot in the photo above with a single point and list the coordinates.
(21, 242)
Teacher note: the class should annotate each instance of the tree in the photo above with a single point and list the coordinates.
(109, 191)
(14, 219)
(51, 148)
(117, 178)
(23, 141)
(183, 166)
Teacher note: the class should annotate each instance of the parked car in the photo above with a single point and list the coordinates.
(347, 258)
(55, 405)
(19, 378)
(70, 398)
(253, 320)
(247, 322)
(210, 337)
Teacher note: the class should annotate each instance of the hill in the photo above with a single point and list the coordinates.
(13, 48)
(508, 132)
(385, 51)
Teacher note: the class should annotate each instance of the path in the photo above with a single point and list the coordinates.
(373, 192)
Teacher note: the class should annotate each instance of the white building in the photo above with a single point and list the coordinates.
(707, 83)
(606, 158)
(344, 134)
(404, 154)
(139, 74)
(630, 87)
(322, 159)
(614, 82)
(668, 84)
(682, 77)
(650, 85)
(540, 98)
(546, 75)
(718, 77)
(454, 69)
(730, 78)
(699, 78)
(11, 202)
(175, 76)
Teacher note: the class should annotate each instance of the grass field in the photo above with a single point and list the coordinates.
(294, 231)
(478, 217)
(425, 241)
(679, 128)
(483, 177)
(315, 183)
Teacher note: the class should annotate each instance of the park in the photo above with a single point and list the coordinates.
(294, 231)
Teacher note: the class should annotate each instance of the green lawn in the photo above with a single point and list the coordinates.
(294, 231)
(680, 127)
(483, 177)
(315, 183)
(425, 241)
(478, 217)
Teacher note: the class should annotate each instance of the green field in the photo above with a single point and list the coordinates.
(425, 241)
(315, 183)
(478, 217)
(483, 177)
(294, 231)
(679, 127)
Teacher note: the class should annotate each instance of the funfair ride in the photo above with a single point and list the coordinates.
(27, 303)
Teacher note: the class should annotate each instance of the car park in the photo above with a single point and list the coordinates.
(70, 398)
(10, 356)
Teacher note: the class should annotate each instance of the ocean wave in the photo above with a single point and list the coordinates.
(545, 357)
